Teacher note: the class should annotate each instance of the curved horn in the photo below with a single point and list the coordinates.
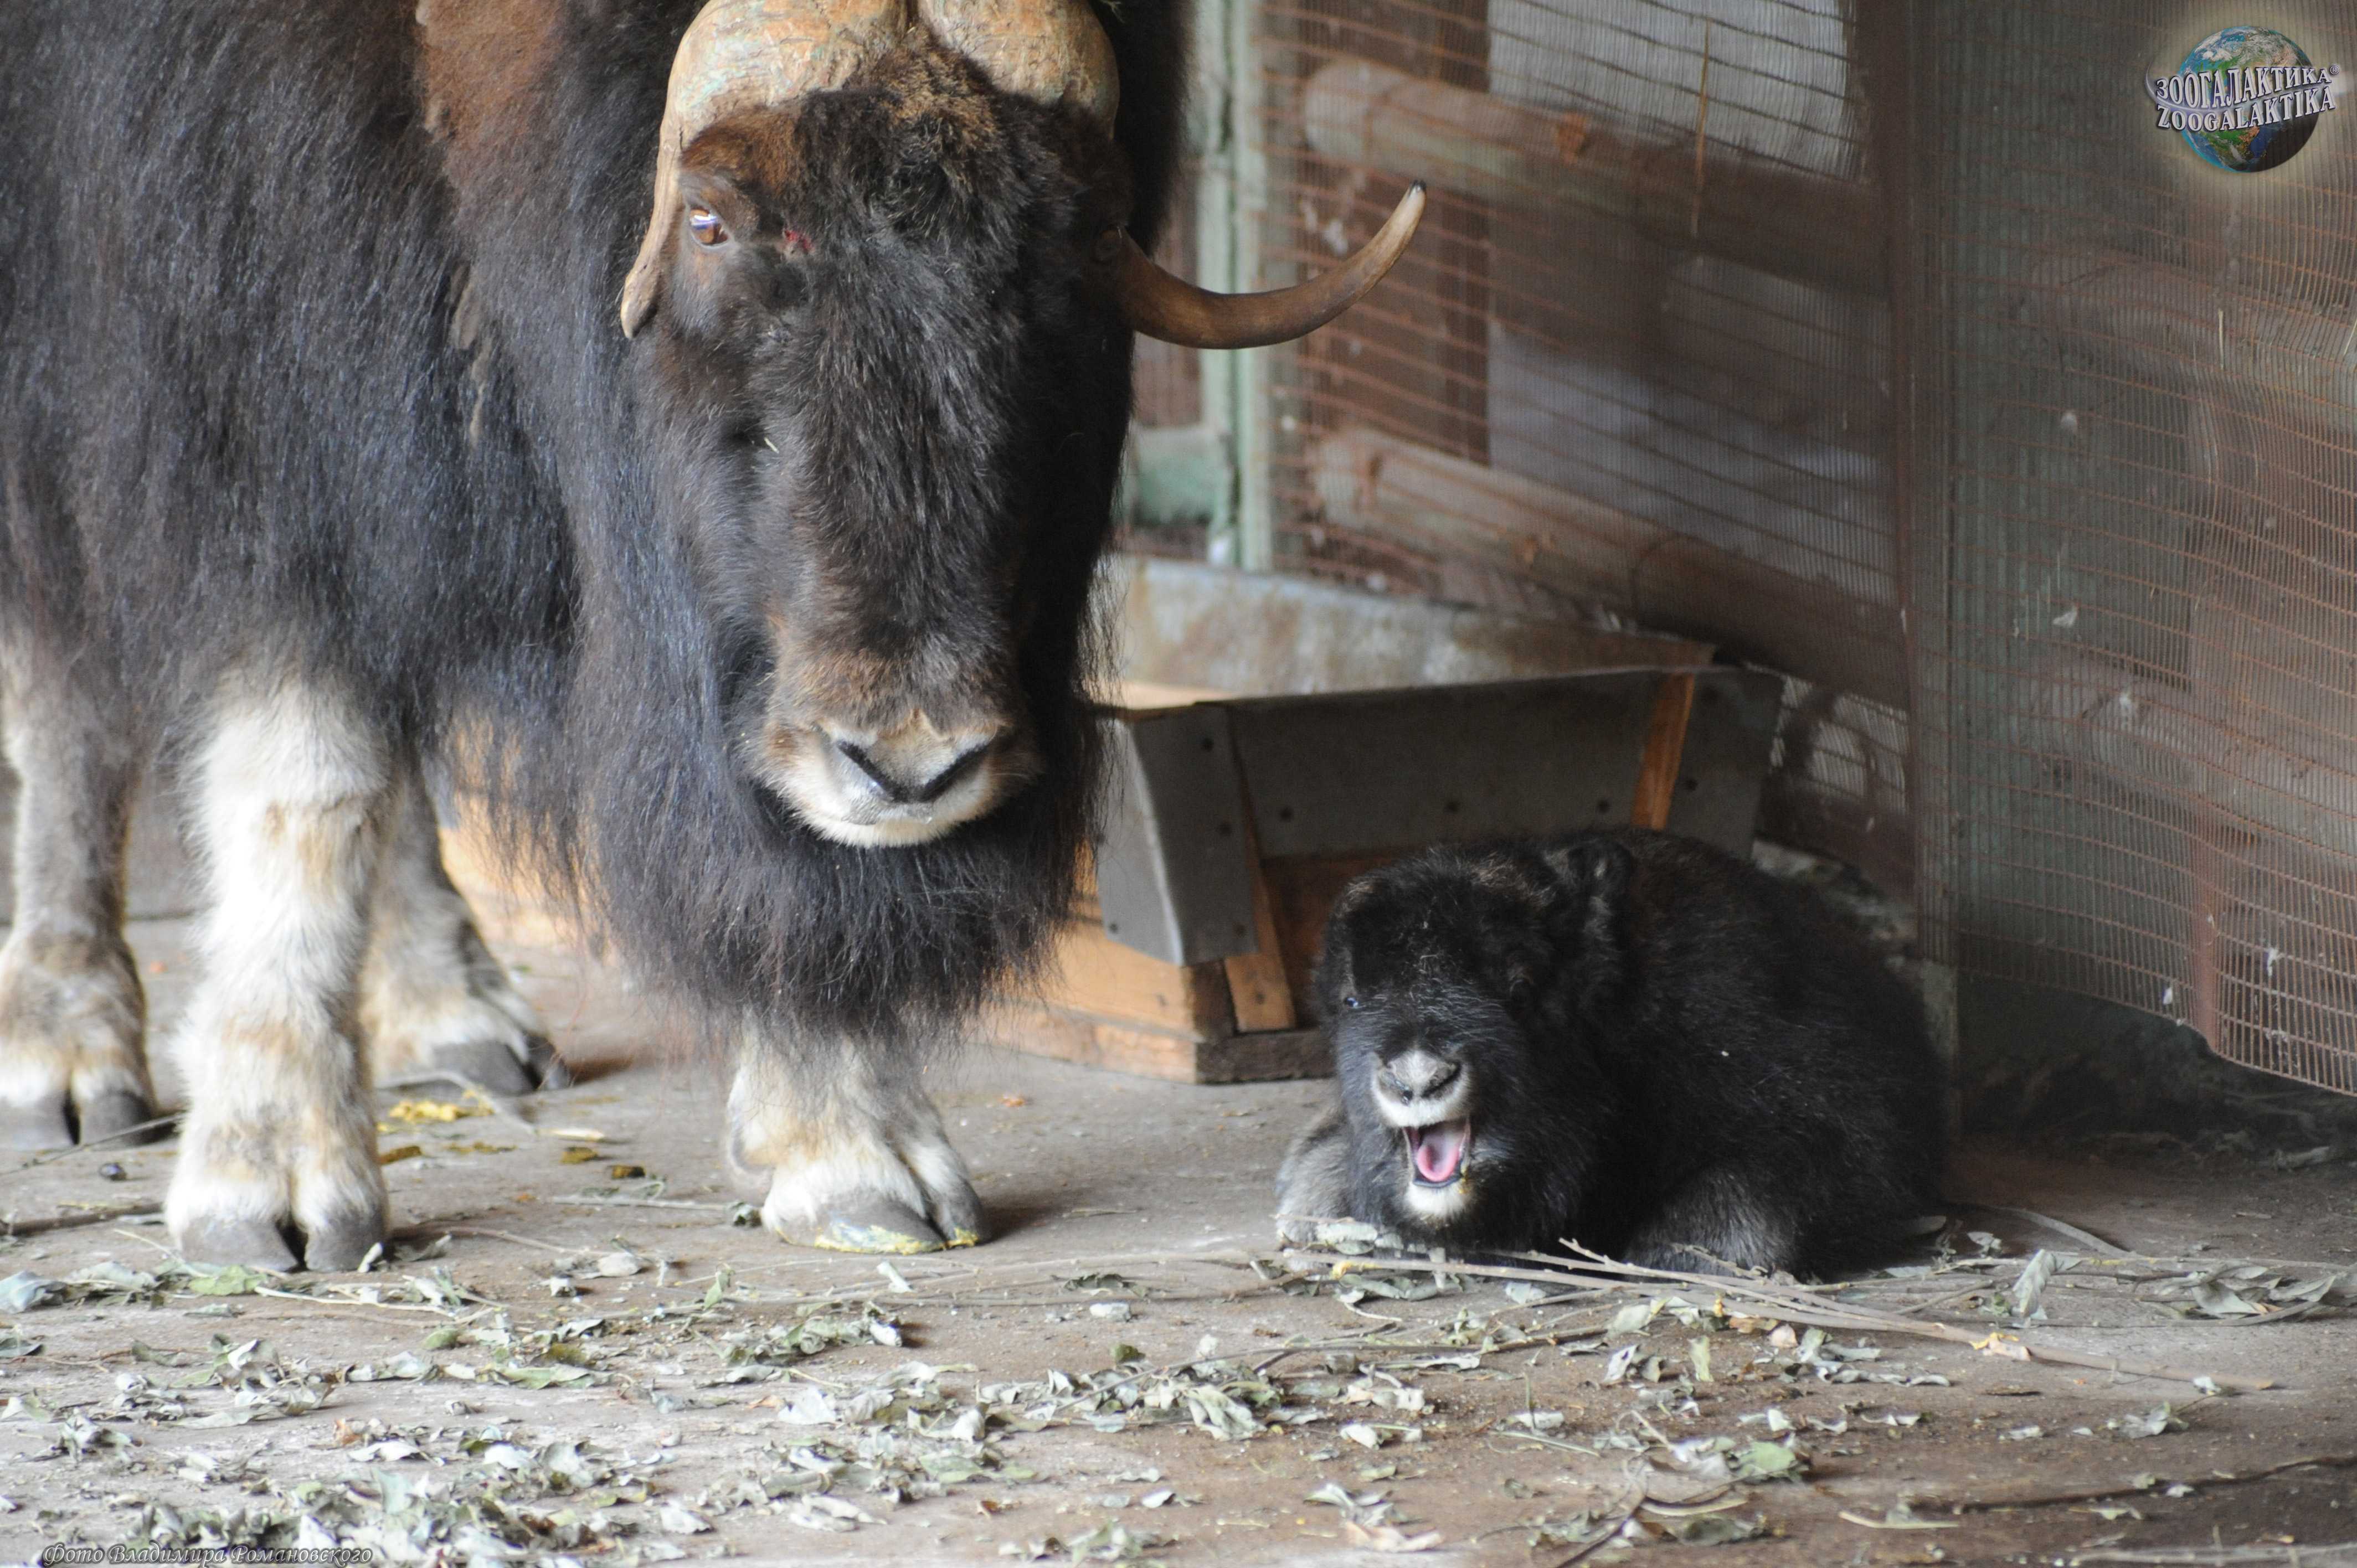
(1050, 50)
(1160, 306)
(739, 55)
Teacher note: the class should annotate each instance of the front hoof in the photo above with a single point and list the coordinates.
(960, 1218)
(38, 1122)
(870, 1224)
(58, 1121)
(337, 1245)
(512, 1065)
(111, 1113)
(334, 1245)
(542, 1062)
(246, 1192)
(72, 1019)
(252, 1239)
(871, 1171)
(486, 1063)
(951, 1208)
(883, 1203)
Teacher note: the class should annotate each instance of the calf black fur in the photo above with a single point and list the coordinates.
(1625, 1039)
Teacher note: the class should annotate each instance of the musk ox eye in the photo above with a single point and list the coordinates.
(1107, 249)
(1349, 1002)
(705, 225)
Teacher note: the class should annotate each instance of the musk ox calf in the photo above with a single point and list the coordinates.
(1625, 1039)
(689, 430)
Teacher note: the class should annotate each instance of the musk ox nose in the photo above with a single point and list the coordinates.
(1419, 1075)
(900, 782)
(915, 764)
(913, 776)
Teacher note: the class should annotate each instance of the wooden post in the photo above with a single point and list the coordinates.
(1665, 746)
(1258, 990)
(1230, 198)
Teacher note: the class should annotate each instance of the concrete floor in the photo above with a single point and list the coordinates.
(1130, 1214)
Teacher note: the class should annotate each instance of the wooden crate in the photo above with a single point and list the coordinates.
(1686, 749)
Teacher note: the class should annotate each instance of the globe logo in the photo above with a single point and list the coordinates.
(2245, 99)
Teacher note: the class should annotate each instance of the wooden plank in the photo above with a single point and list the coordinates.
(1819, 232)
(1093, 975)
(1044, 1032)
(1154, 1053)
(2271, 358)
(1413, 495)
(1187, 628)
(1148, 696)
(1665, 746)
(1259, 992)
(1302, 890)
(2271, 764)
(1256, 1058)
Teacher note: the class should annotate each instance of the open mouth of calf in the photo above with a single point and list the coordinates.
(1437, 1150)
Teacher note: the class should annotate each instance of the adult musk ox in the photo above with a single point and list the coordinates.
(755, 611)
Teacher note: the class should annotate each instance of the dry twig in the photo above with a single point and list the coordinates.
(2342, 1555)
(76, 1221)
(1798, 1304)
(2063, 1228)
(2026, 1499)
(495, 1236)
(134, 1130)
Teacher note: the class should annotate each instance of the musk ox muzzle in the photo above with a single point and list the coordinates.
(877, 753)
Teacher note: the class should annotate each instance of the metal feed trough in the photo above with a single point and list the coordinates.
(1234, 822)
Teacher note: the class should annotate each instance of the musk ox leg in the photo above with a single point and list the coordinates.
(852, 1148)
(1313, 1184)
(1725, 1215)
(432, 994)
(294, 797)
(73, 1015)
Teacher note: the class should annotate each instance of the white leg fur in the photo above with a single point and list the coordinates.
(73, 1015)
(1313, 1182)
(853, 1148)
(293, 800)
(432, 994)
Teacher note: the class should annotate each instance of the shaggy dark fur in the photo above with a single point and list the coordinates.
(283, 380)
(1655, 1050)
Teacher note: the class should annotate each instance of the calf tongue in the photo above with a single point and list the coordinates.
(1438, 1150)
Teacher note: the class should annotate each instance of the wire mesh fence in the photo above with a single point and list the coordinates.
(1890, 347)
(1636, 367)
(2138, 568)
